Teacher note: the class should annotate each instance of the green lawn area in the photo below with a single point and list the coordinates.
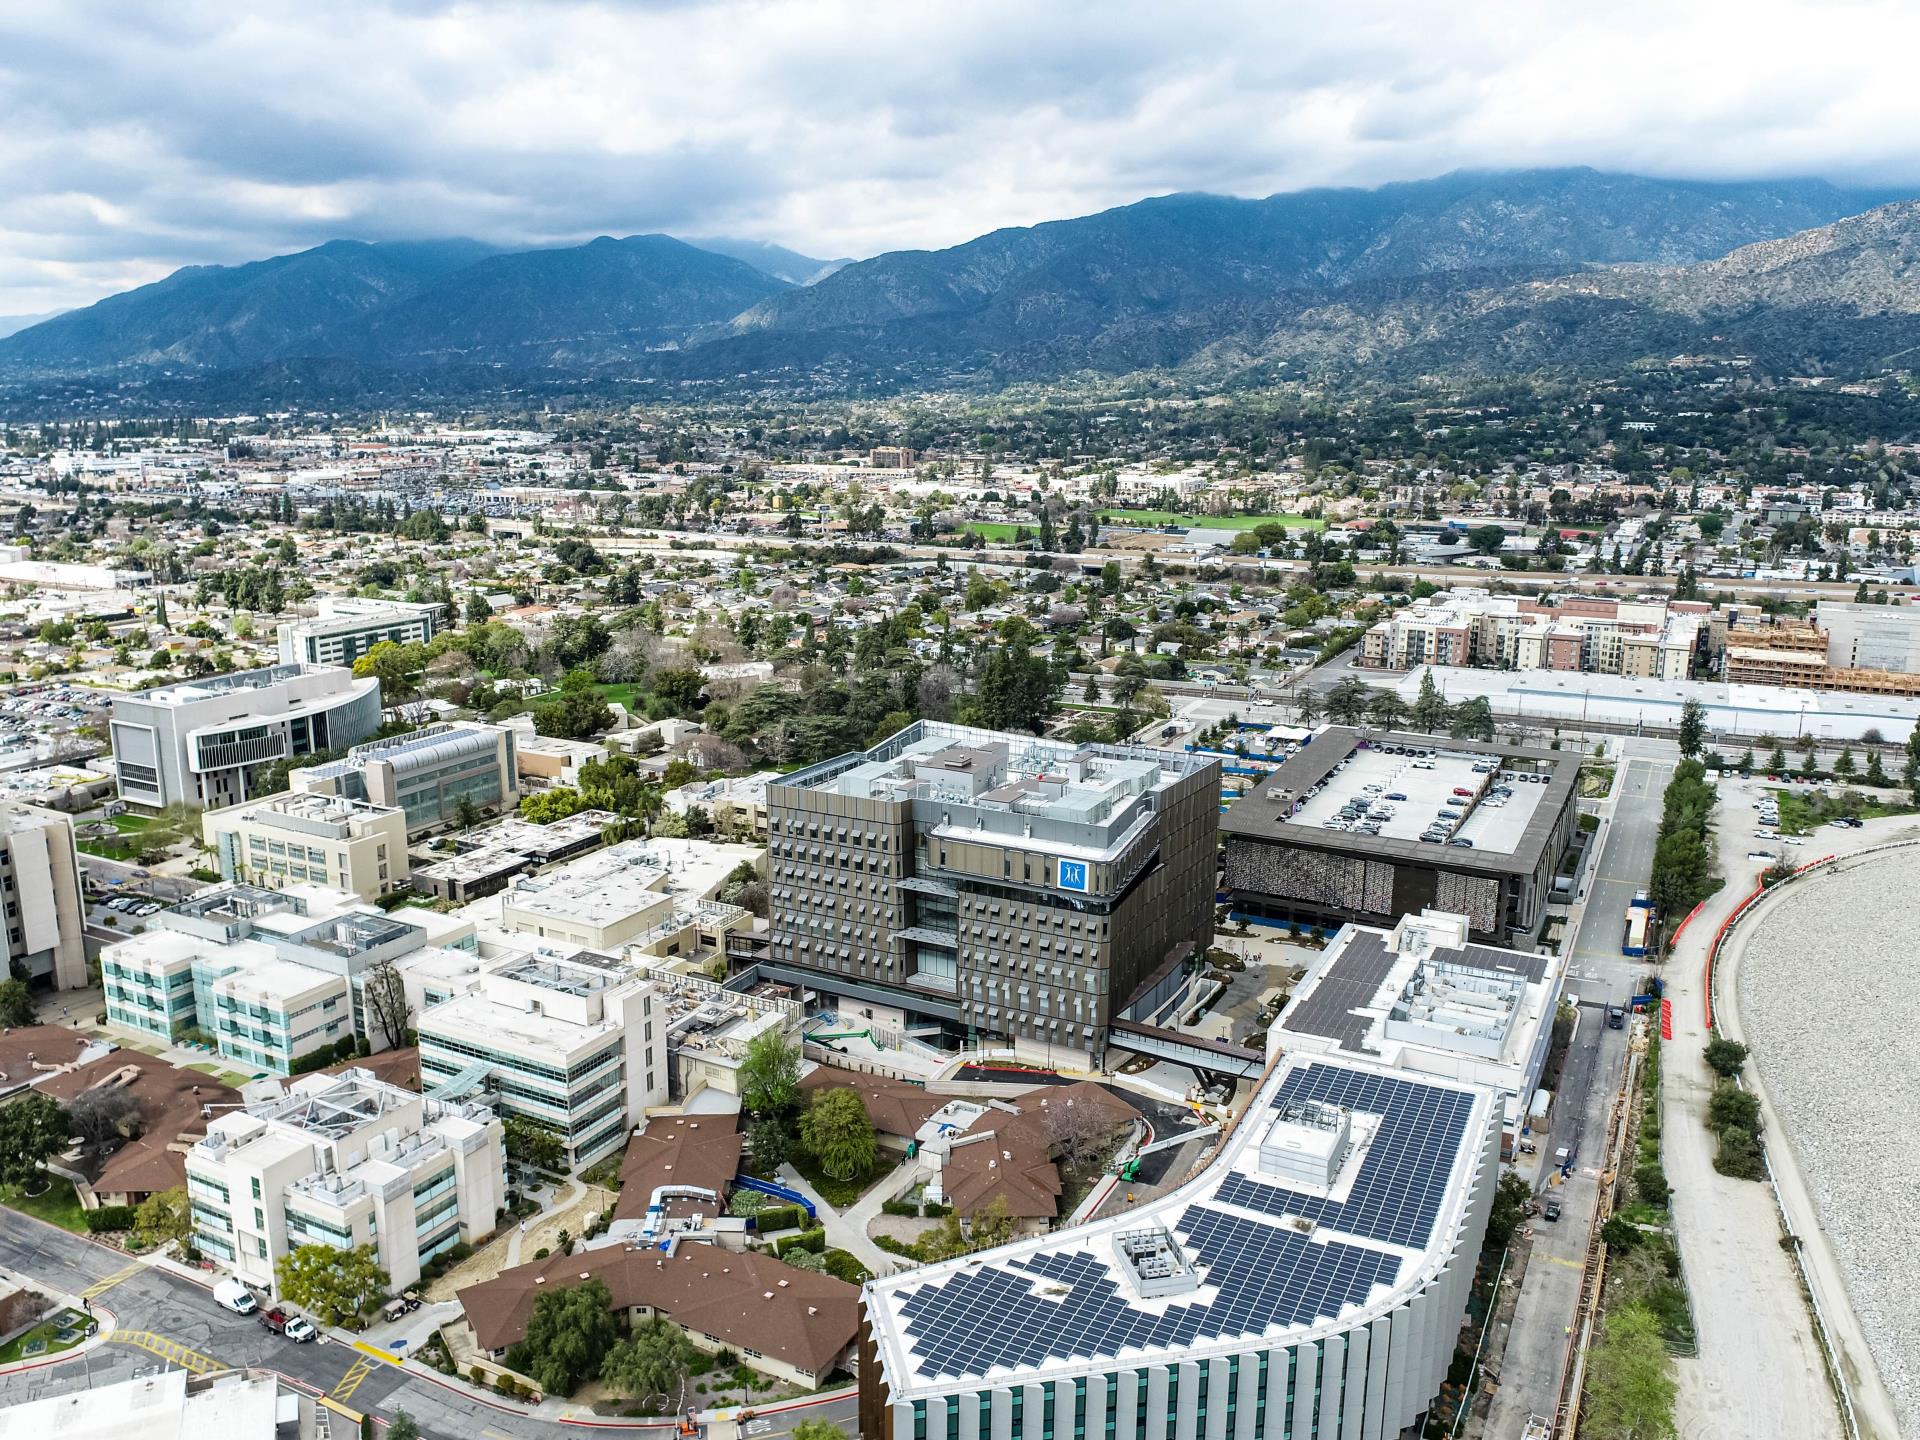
(1212, 522)
(59, 1206)
(994, 529)
(104, 849)
(132, 824)
(47, 1334)
(842, 1193)
(621, 693)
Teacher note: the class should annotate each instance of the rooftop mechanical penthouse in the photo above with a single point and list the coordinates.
(992, 884)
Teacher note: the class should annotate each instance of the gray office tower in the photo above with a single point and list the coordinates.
(995, 886)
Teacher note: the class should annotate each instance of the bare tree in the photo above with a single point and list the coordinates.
(385, 994)
(104, 1112)
(710, 752)
(938, 685)
(1081, 1131)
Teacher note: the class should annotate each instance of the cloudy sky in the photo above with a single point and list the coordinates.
(137, 137)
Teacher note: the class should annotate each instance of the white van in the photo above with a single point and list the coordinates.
(235, 1296)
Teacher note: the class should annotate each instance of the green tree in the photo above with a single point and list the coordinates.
(769, 1143)
(770, 1074)
(1385, 709)
(1487, 539)
(1725, 1057)
(1630, 1384)
(1347, 701)
(569, 1335)
(837, 1129)
(1430, 709)
(163, 1216)
(649, 1364)
(1876, 770)
(1510, 1199)
(402, 1427)
(398, 668)
(575, 715)
(1845, 765)
(1306, 705)
(16, 1004)
(333, 1286)
(1473, 719)
(1731, 1106)
(1693, 728)
(818, 1430)
(33, 1129)
(534, 1144)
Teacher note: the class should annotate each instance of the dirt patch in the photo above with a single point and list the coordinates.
(543, 1230)
(904, 1228)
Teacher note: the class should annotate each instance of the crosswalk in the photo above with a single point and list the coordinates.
(351, 1381)
(171, 1351)
(100, 1287)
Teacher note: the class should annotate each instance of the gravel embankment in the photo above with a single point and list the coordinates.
(1829, 996)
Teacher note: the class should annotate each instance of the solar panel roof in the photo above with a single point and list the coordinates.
(1062, 1299)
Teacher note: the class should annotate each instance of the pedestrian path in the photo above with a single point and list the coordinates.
(100, 1287)
(171, 1351)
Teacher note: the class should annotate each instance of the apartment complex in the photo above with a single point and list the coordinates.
(1310, 1280)
(572, 1041)
(197, 742)
(347, 627)
(994, 884)
(1868, 649)
(426, 773)
(1642, 639)
(302, 839)
(40, 895)
(346, 1160)
(271, 975)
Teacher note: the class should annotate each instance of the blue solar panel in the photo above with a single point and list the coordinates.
(1403, 1176)
(1266, 1274)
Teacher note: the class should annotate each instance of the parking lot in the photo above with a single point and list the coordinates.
(1421, 793)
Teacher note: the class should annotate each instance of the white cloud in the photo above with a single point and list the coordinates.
(141, 137)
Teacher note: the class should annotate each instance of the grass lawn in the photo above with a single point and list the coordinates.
(132, 824)
(842, 1193)
(616, 694)
(59, 1206)
(1207, 522)
(995, 529)
(106, 850)
(46, 1332)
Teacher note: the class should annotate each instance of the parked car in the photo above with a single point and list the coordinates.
(235, 1297)
(1462, 790)
(1550, 1206)
(1616, 1017)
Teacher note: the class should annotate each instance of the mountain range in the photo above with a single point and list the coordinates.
(1468, 273)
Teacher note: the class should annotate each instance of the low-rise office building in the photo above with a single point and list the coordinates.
(643, 893)
(1311, 1280)
(1364, 827)
(348, 626)
(426, 773)
(196, 742)
(574, 1042)
(272, 976)
(45, 924)
(346, 1160)
(993, 884)
(301, 839)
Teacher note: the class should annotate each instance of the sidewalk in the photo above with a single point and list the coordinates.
(847, 1230)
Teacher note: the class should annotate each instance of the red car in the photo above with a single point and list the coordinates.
(1458, 791)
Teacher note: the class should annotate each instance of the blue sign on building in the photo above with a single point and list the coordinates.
(1073, 875)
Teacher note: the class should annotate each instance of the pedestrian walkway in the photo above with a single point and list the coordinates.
(171, 1351)
(847, 1230)
(100, 1287)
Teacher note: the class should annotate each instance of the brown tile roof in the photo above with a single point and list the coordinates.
(744, 1299)
(701, 1150)
(1016, 1165)
(895, 1106)
(170, 1099)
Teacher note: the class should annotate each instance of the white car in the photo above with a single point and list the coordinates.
(235, 1297)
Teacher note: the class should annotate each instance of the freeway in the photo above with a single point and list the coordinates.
(172, 1321)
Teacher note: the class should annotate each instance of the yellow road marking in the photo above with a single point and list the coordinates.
(376, 1352)
(353, 1379)
(169, 1350)
(100, 1287)
(334, 1405)
(1562, 1260)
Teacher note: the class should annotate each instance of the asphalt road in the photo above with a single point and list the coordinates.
(1536, 1342)
(159, 1303)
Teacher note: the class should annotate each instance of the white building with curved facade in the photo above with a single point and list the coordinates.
(1308, 1283)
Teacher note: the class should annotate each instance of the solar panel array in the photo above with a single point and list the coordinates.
(1403, 1176)
(1265, 1274)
